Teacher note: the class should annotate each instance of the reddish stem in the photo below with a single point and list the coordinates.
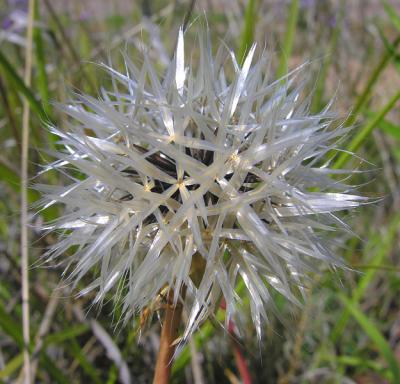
(239, 358)
(241, 363)
(169, 334)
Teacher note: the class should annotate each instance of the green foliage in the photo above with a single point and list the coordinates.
(249, 25)
(288, 40)
(394, 17)
(377, 248)
(10, 326)
(9, 71)
(375, 335)
(42, 80)
(390, 128)
(67, 334)
(11, 366)
(362, 135)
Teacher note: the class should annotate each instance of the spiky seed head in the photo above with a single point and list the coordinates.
(206, 176)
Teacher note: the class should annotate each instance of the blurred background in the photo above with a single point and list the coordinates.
(349, 328)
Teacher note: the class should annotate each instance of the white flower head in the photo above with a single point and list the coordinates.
(206, 176)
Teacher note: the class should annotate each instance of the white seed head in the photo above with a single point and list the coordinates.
(206, 176)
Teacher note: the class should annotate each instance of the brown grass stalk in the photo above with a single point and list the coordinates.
(169, 335)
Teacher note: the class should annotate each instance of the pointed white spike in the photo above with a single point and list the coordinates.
(180, 63)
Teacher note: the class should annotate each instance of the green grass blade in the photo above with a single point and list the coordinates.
(365, 95)
(388, 45)
(390, 48)
(354, 361)
(79, 355)
(69, 335)
(11, 366)
(9, 176)
(393, 15)
(11, 327)
(359, 139)
(12, 180)
(247, 38)
(289, 37)
(66, 334)
(51, 368)
(390, 128)
(383, 247)
(42, 80)
(374, 334)
(390, 268)
(19, 84)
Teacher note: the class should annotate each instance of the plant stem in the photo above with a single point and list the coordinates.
(24, 200)
(169, 334)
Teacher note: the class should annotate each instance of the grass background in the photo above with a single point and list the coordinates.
(349, 329)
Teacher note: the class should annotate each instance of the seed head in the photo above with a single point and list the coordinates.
(205, 176)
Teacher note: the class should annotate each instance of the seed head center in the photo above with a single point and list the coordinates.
(234, 158)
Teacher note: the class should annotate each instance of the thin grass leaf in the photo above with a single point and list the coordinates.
(12, 366)
(366, 94)
(383, 247)
(9, 177)
(11, 327)
(51, 368)
(390, 128)
(9, 112)
(20, 86)
(66, 334)
(5, 292)
(354, 361)
(392, 13)
(390, 48)
(12, 180)
(374, 334)
(42, 80)
(289, 37)
(250, 21)
(379, 267)
(362, 135)
(69, 335)
(76, 351)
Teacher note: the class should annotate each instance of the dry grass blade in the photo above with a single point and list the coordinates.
(24, 199)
